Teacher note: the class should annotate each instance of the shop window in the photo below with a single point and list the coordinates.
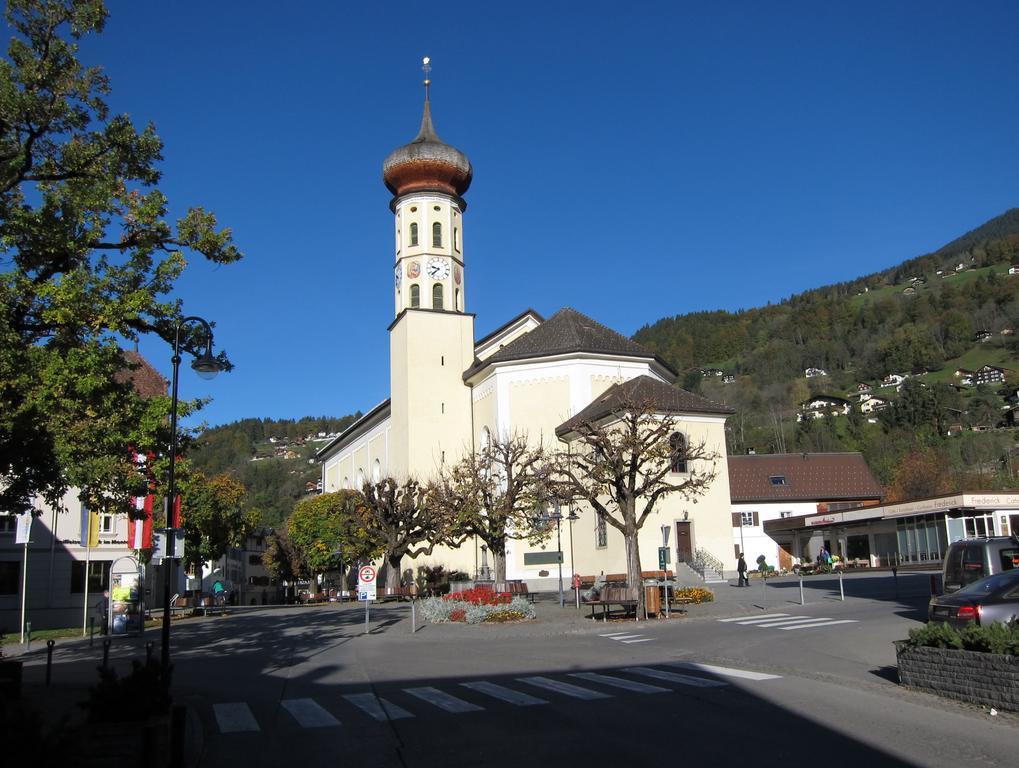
(98, 576)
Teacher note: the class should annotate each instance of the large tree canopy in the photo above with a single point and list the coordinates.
(89, 260)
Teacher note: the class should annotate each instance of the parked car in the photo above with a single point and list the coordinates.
(968, 560)
(992, 598)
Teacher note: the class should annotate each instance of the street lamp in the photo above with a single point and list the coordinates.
(557, 515)
(207, 367)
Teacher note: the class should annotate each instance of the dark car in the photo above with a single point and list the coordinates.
(993, 598)
(970, 559)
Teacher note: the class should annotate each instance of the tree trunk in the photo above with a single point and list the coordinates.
(499, 565)
(198, 573)
(633, 578)
(393, 572)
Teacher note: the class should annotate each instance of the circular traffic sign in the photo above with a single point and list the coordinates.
(366, 574)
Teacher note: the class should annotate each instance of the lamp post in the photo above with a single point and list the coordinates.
(207, 367)
(557, 515)
(573, 517)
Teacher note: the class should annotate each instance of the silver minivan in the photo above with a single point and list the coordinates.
(968, 560)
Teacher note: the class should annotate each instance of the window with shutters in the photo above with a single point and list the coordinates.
(748, 518)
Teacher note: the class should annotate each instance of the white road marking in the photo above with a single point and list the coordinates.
(619, 682)
(504, 694)
(308, 713)
(624, 637)
(443, 700)
(614, 634)
(672, 677)
(645, 640)
(821, 624)
(235, 717)
(786, 622)
(745, 620)
(376, 707)
(724, 671)
(564, 688)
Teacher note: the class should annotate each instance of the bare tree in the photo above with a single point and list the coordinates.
(496, 494)
(624, 460)
(402, 522)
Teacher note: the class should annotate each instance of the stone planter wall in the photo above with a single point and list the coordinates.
(987, 679)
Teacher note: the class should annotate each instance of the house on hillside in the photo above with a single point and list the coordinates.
(1014, 269)
(909, 290)
(821, 405)
(982, 335)
(873, 403)
(810, 373)
(768, 487)
(728, 378)
(989, 374)
(711, 372)
(862, 387)
(893, 379)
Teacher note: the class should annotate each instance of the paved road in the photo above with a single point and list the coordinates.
(735, 682)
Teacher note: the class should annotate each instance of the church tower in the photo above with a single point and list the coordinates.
(431, 341)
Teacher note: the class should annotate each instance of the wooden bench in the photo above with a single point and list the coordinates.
(399, 593)
(513, 589)
(622, 596)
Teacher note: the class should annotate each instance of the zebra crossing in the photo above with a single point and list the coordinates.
(627, 637)
(787, 622)
(472, 696)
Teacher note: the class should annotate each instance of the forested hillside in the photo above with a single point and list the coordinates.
(956, 308)
(271, 457)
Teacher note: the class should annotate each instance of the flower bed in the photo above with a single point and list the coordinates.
(477, 606)
(694, 595)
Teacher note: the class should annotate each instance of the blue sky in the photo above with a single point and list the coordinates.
(634, 161)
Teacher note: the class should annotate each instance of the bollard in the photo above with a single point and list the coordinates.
(106, 652)
(842, 592)
(764, 581)
(801, 591)
(413, 617)
(28, 635)
(148, 651)
(49, 661)
(91, 631)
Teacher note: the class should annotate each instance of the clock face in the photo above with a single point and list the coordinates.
(438, 269)
(399, 274)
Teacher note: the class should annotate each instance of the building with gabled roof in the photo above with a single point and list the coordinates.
(766, 487)
(450, 393)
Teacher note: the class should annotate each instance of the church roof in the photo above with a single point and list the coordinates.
(145, 379)
(427, 163)
(568, 332)
(665, 398)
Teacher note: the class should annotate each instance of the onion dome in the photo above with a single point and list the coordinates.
(427, 164)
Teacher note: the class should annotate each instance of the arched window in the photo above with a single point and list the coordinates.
(456, 238)
(413, 234)
(415, 295)
(376, 471)
(436, 235)
(360, 479)
(346, 483)
(456, 299)
(437, 296)
(677, 447)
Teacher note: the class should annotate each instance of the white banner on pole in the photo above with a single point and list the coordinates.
(24, 529)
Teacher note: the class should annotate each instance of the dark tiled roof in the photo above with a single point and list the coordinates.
(147, 381)
(642, 389)
(568, 331)
(808, 476)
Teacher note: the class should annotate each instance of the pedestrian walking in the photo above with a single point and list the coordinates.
(741, 569)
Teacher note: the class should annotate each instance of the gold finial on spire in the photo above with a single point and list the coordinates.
(426, 67)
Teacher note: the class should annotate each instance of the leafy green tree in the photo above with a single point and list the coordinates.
(281, 558)
(324, 532)
(89, 260)
(214, 518)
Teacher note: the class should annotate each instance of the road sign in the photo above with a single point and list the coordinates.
(366, 583)
(663, 557)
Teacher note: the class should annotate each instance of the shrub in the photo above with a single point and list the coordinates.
(993, 638)
(696, 594)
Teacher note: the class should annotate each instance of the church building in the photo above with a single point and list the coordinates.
(451, 393)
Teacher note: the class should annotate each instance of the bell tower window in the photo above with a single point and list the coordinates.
(437, 296)
(436, 235)
(456, 239)
(413, 234)
(415, 295)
